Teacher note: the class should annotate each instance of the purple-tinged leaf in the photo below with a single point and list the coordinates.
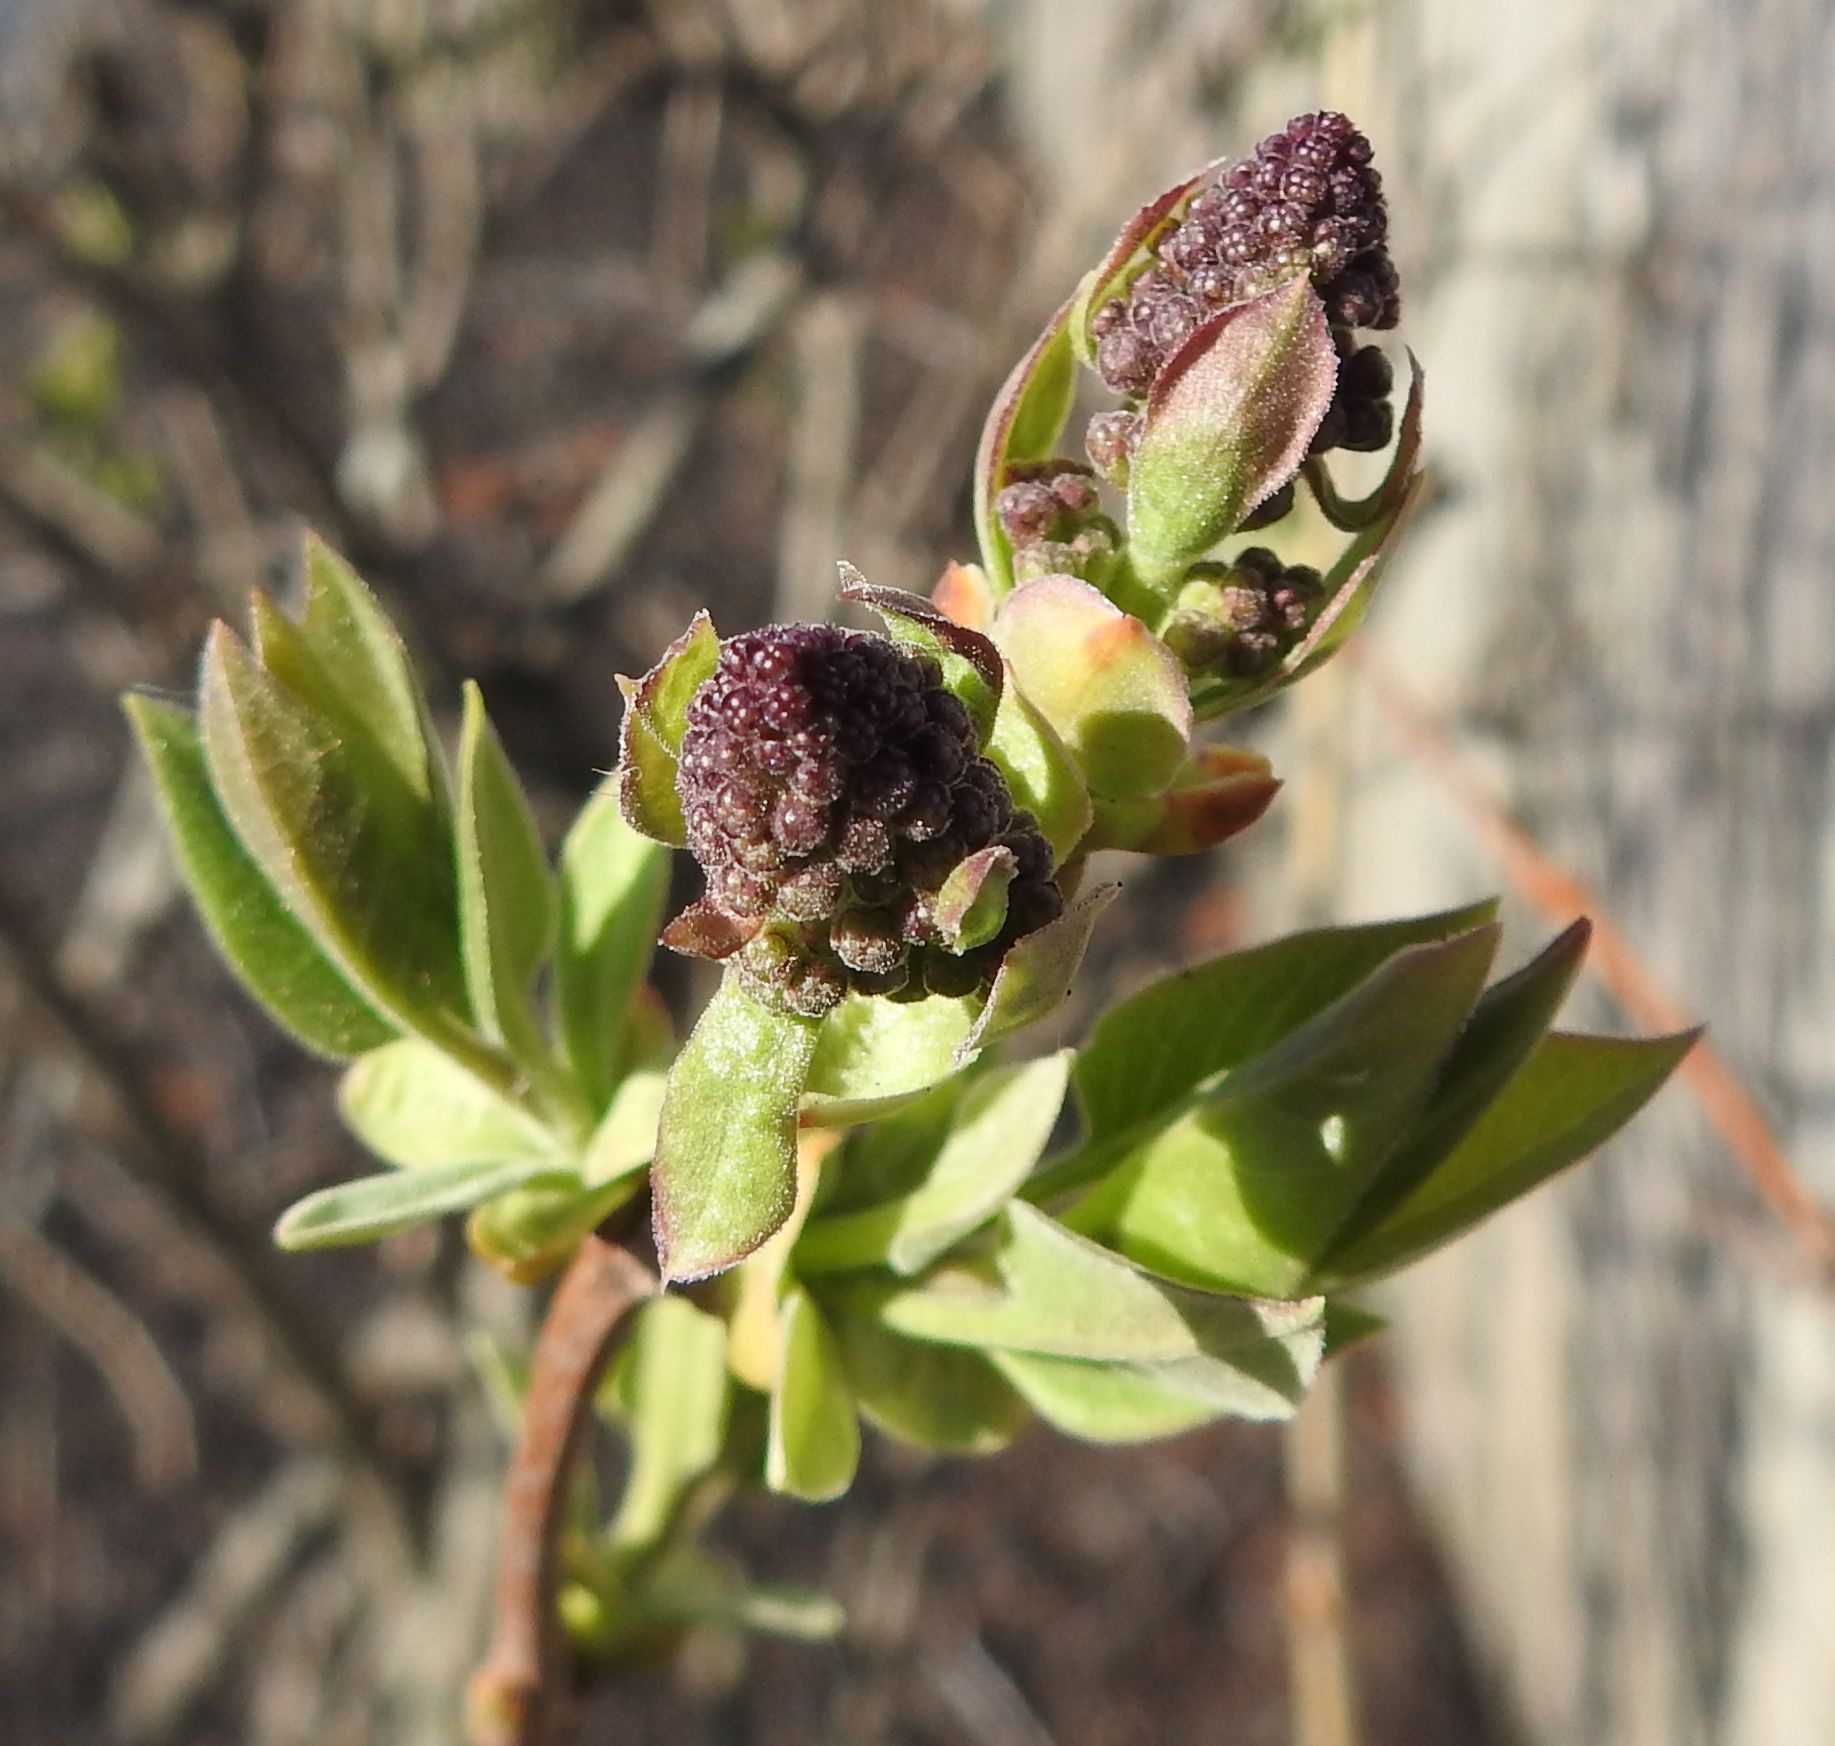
(971, 664)
(971, 907)
(1227, 424)
(1221, 791)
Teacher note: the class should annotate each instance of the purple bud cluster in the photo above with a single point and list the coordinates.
(1305, 201)
(1051, 513)
(830, 784)
(1240, 618)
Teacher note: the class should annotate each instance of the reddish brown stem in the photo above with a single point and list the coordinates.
(514, 1695)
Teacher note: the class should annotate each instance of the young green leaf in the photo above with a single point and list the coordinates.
(1034, 978)
(613, 883)
(530, 1232)
(358, 648)
(1040, 771)
(625, 1139)
(1147, 1054)
(415, 1106)
(1101, 1403)
(724, 1177)
(1227, 424)
(672, 1390)
(1030, 1285)
(814, 1443)
(1510, 1019)
(1024, 424)
(876, 1056)
(359, 860)
(1572, 1095)
(506, 898)
(278, 961)
(1245, 1189)
(944, 1398)
(1112, 691)
(376, 1206)
(1000, 1128)
(650, 739)
(970, 662)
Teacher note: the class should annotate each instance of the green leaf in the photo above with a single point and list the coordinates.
(814, 1442)
(1126, 256)
(1040, 772)
(376, 1206)
(358, 648)
(672, 1389)
(1508, 1022)
(1114, 693)
(1244, 1191)
(944, 1398)
(1001, 1126)
(725, 1172)
(1147, 1054)
(1348, 1325)
(278, 961)
(1227, 424)
(1101, 1403)
(1030, 1285)
(1572, 1095)
(1034, 978)
(613, 885)
(1024, 424)
(530, 1232)
(506, 898)
(876, 1056)
(1349, 585)
(970, 662)
(360, 861)
(414, 1106)
(650, 739)
(625, 1139)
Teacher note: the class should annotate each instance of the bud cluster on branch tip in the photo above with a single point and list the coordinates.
(830, 787)
(1053, 515)
(1240, 618)
(1305, 201)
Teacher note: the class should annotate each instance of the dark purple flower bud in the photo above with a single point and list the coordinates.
(829, 786)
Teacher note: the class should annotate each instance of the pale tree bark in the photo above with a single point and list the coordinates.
(1616, 226)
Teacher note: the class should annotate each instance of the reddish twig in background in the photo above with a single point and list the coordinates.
(1730, 1108)
(514, 1693)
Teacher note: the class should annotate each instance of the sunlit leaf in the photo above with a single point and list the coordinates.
(875, 1056)
(413, 1106)
(1572, 1095)
(277, 960)
(506, 897)
(999, 1129)
(613, 883)
(814, 1443)
(724, 1177)
(1245, 1189)
(376, 1206)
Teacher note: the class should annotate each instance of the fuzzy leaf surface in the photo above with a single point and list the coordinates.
(361, 862)
(998, 1131)
(277, 960)
(1034, 978)
(650, 737)
(377, 1206)
(876, 1056)
(725, 1174)
(414, 1106)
